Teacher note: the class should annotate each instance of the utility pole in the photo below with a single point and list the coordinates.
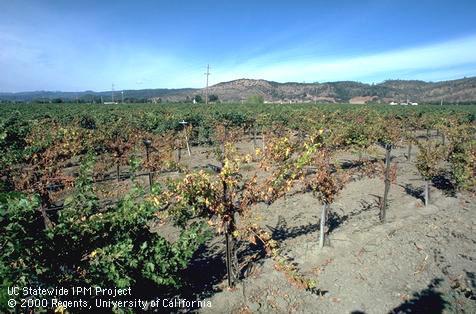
(112, 93)
(206, 90)
(122, 97)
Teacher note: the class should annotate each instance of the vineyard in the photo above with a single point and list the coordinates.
(344, 208)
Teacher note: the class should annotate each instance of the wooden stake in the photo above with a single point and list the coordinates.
(225, 133)
(188, 146)
(147, 156)
(322, 226)
(254, 137)
(383, 206)
(427, 193)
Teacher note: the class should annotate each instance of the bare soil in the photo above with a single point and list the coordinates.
(422, 260)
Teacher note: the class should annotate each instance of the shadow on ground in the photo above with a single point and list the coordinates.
(442, 183)
(426, 301)
(335, 220)
(416, 192)
(197, 282)
(282, 232)
(206, 270)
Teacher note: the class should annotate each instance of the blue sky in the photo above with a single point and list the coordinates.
(87, 45)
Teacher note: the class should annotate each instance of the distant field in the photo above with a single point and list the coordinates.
(300, 113)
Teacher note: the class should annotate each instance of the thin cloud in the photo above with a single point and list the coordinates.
(35, 65)
(431, 59)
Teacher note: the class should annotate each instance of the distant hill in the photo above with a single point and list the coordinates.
(461, 90)
(138, 94)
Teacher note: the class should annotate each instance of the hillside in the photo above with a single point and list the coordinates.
(461, 90)
(347, 91)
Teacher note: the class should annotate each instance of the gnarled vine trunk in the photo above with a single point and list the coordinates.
(230, 245)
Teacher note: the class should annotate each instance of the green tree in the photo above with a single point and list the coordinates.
(198, 98)
(213, 97)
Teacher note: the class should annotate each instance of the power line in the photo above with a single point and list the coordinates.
(206, 90)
